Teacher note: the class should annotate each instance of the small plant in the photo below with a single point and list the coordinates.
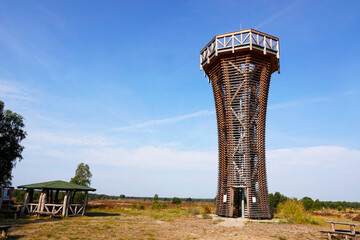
(134, 206)
(339, 208)
(206, 216)
(142, 207)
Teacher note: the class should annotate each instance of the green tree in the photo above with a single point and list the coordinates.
(276, 198)
(82, 175)
(317, 205)
(11, 135)
(176, 201)
(307, 203)
(156, 198)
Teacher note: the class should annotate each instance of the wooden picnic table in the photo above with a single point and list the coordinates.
(342, 232)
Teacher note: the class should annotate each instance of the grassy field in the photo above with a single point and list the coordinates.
(127, 219)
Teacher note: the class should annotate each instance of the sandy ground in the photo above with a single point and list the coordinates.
(122, 226)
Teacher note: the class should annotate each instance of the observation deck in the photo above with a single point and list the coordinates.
(245, 40)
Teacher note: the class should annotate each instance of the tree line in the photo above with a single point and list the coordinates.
(310, 204)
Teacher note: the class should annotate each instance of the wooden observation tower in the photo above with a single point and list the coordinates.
(239, 66)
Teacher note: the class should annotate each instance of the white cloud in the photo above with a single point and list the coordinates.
(152, 157)
(324, 172)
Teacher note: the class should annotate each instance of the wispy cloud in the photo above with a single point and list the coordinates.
(13, 91)
(278, 14)
(297, 102)
(163, 121)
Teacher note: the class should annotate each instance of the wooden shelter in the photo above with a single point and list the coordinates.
(49, 202)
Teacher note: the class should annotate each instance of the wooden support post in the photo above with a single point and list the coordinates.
(85, 203)
(43, 200)
(26, 199)
(40, 201)
(352, 229)
(68, 204)
(65, 203)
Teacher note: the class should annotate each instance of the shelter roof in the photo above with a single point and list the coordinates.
(58, 185)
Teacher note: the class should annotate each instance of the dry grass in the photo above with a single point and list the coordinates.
(116, 219)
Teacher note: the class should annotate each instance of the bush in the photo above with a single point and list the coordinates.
(294, 212)
(134, 206)
(193, 211)
(207, 209)
(356, 218)
(206, 216)
(142, 207)
(176, 201)
(158, 206)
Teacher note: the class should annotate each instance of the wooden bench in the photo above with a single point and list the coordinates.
(4, 230)
(341, 232)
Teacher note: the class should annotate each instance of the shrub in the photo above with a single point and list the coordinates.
(356, 218)
(142, 207)
(193, 211)
(207, 209)
(158, 206)
(294, 212)
(134, 206)
(176, 201)
(206, 216)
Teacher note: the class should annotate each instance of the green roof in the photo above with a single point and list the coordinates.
(58, 185)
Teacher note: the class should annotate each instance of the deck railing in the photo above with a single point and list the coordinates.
(230, 42)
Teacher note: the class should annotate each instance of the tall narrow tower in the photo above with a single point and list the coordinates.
(239, 66)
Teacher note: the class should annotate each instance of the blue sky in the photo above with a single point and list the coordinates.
(116, 85)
